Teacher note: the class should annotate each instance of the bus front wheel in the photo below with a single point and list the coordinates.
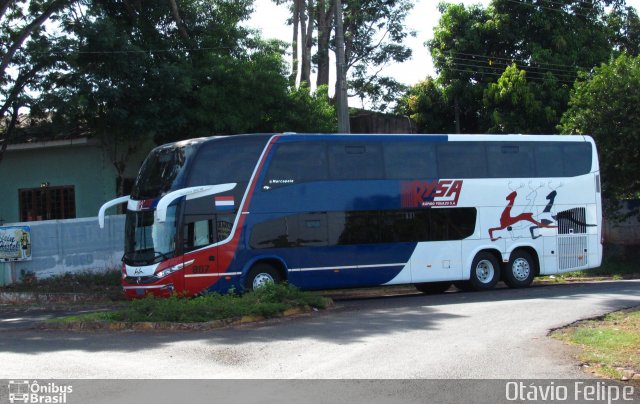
(520, 270)
(485, 271)
(260, 275)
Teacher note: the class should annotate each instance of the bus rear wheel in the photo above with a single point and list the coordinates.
(433, 288)
(520, 270)
(261, 274)
(485, 271)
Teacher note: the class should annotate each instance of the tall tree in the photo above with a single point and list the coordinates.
(23, 55)
(550, 41)
(134, 74)
(606, 105)
(374, 34)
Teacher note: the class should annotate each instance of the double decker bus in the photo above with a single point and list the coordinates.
(327, 211)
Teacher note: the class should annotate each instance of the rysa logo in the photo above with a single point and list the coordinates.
(417, 194)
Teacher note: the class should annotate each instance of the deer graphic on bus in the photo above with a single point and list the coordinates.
(507, 221)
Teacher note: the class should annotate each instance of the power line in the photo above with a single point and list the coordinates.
(489, 63)
(539, 75)
(499, 75)
(522, 3)
(570, 67)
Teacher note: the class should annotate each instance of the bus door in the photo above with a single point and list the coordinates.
(199, 234)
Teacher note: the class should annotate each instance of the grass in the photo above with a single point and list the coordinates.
(607, 344)
(269, 301)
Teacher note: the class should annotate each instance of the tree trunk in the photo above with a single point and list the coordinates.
(294, 43)
(341, 74)
(9, 131)
(325, 20)
(178, 20)
(307, 44)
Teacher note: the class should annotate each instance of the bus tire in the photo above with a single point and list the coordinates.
(520, 270)
(260, 275)
(485, 271)
(433, 288)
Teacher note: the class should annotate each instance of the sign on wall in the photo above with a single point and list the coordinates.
(15, 243)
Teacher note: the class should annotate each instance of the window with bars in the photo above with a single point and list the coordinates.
(47, 203)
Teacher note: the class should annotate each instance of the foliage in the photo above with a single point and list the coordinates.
(515, 106)
(374, 33)
(520, 58)
(24, 56)
(606, 105)
(426, 104)
(268, 301)
(306, 111)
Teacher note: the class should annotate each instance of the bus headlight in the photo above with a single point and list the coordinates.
(170, 270)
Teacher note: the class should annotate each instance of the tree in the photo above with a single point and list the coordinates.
(515, 103)
(549, 40)
(425, 103)
(133, 74)
(23, 55)
(606, 105)
(373, 31)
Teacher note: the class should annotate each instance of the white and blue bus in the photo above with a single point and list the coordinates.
(338, 211)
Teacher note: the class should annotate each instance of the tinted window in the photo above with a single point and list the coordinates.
(352, 161)
(510, 160)
(577, 159)
(549, 160)
(365, 227)
(452, 223)
(462, 160)
(271, 234)
(297, 162)
(555, 159)
(161, 172)
(407, 160)
(226, 160)
(311, 229)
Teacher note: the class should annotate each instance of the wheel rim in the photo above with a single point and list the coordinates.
(521, 269)
(485, 271)
(262, 279)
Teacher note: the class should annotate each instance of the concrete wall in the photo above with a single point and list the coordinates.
(626, 232)
(72, 245)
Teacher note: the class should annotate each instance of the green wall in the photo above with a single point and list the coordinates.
(85, 166)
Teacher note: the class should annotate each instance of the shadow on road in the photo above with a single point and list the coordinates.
(351, 322)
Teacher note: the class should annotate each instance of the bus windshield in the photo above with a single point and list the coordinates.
(148, 241)
(160, 171)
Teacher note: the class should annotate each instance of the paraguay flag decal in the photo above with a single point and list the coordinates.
(224, 202)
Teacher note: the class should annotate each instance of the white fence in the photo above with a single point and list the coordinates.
(71, 245)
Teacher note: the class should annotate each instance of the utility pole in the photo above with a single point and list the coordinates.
(341, 74)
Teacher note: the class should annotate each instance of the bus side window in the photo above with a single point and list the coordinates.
(510, 160)
(549, 160)
(198, 234)
(410, 160)
(462, 160)
(355, 161)
(224, 224)
(295, 163)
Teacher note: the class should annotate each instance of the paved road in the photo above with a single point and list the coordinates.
(496, 334)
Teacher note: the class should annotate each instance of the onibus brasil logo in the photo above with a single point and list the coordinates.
(24, 391)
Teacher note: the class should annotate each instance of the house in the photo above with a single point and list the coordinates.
(60, 178)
